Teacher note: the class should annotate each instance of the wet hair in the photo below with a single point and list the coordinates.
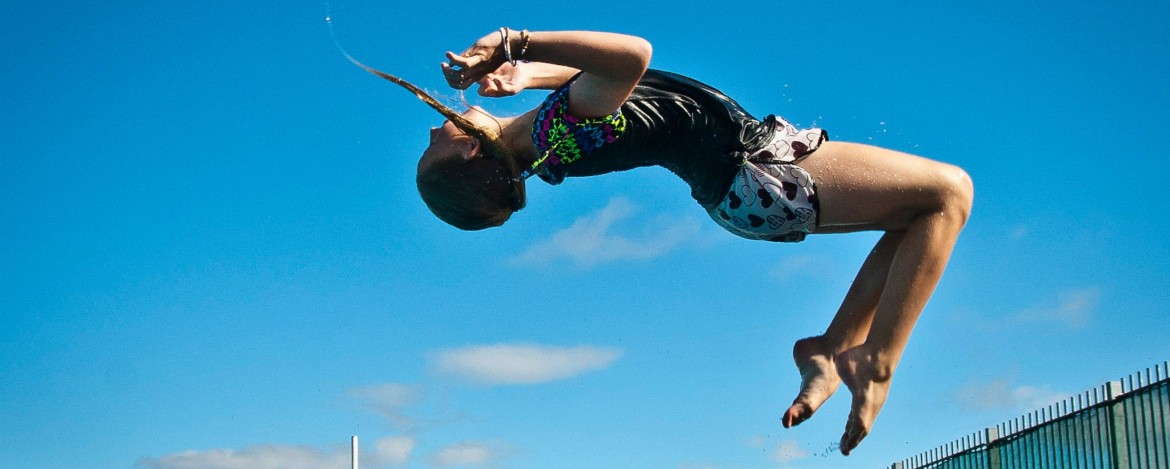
(470, 194)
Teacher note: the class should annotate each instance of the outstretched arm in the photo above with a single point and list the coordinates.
(613, 64)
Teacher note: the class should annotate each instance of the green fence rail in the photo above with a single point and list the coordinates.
(1118, 425)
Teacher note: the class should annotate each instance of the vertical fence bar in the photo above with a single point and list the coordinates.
(970, 454)
(1165, 393)
(1053, 431)
(1034, 434)
(1037, 434)
(1043, 432)
(975, 453)
(1075, 430)
(1019, 445)
(1140, 422)
(1147, 422)
(1014, 445)
(1093, 456)
(1133, 417)
(1071, 413)
(1028, 450)
(1100, 424)
(994, 458)
(1046, 447)
(1063, 441)
(1154, 394)
(1151, 395)
(1079, 431)
(1119, 444)
(1164, 441)
(1005, 450)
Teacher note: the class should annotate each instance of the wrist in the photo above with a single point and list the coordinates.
(520, 50)
(514, 44)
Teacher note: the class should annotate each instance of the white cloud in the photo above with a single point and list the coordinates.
(787, 451)
(592, 240)
(392, 451)
(255, 457)
(388, 451)
(1002, 394)
(522, 363)
(1074, 310)
(466, 453)
(388, 400)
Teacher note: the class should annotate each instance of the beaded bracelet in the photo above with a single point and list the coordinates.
(524, 37)
(507, 46)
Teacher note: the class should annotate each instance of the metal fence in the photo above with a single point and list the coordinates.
(1118, 425)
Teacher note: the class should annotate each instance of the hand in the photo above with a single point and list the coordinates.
(482, 58)
(508, 80)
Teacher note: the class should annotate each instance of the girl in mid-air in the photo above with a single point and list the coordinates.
(759, 179)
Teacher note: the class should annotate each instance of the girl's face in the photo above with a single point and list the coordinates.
(447, 139)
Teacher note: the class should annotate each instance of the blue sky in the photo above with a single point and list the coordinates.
(213, 254)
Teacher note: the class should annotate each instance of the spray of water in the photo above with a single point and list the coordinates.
(489, 137)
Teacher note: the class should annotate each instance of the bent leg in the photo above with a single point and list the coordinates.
(925, 205)
(815, 357)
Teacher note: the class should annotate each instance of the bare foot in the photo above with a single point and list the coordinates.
(869, 383)
(818, 379)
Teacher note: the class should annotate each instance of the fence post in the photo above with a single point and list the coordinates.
(897, 465)
(1119, 443)
(994, 460)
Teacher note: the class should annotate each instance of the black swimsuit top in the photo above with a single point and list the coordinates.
(687, 127)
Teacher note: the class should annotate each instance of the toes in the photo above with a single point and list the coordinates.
(796, 414)
(855, 431)
(852, 437)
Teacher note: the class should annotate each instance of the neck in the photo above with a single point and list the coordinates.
(516, 136)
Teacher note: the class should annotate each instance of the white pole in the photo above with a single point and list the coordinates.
(353, 445)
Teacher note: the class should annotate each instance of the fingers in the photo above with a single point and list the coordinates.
(489, 87)
(456, 78)
(462, 70)
(492, 86)
(459, 78)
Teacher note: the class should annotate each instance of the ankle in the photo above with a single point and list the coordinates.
(877, 365)
(821, 345)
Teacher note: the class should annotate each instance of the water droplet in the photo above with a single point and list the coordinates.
(328, 19)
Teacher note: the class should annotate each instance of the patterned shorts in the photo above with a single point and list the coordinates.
(771, 197)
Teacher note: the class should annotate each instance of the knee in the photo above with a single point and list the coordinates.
(957, 193)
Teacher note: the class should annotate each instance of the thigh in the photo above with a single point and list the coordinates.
(863, 187)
